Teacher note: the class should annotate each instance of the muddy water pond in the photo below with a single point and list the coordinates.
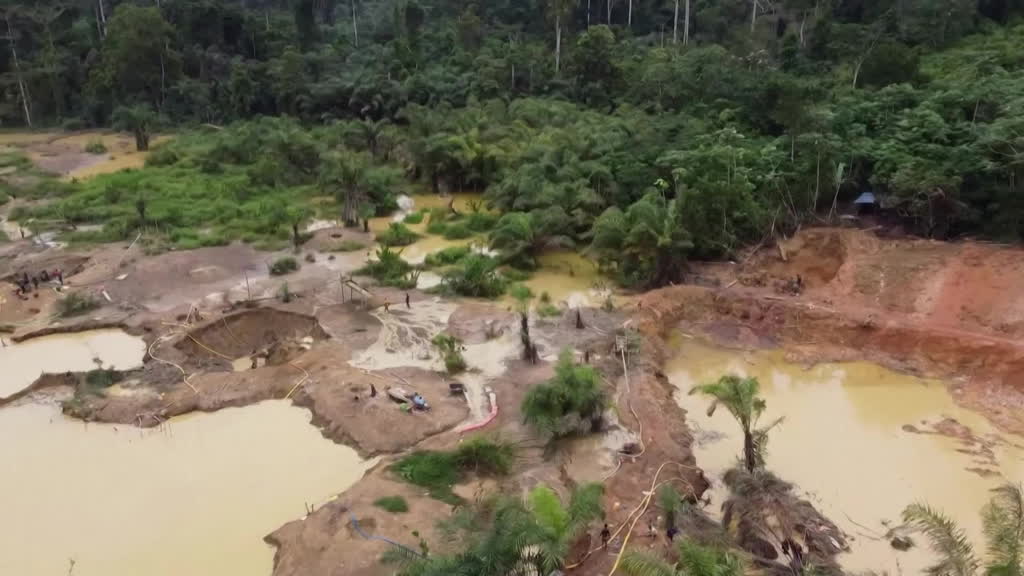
(195, 497)
(74, 352)
(844, 446)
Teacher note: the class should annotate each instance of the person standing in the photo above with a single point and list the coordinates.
(407, 304)
(606, 535)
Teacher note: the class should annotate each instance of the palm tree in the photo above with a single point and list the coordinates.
(344, 175)
(521, 237)
(694, 560)
(1003, 519)
(557, 526)
(739, 396)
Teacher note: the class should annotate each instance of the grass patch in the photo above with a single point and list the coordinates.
(414, 217)
(283, 265)
(76, 304)
(448, 256)
(393, 504)
(397, 234)
(548, 310)
(347, 246)
(439, 471)
(96, 146)
(102, 379)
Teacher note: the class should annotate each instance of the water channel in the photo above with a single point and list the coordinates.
(844, 445)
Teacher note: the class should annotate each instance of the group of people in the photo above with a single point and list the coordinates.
(27, 284)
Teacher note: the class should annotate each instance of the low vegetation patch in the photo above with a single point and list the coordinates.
(450, 348)
(346, 246)
(389, 269)
(397, 234)
(76, 304)
(438, 471)
(448, 256)
(476, 276)
(96, 146)
(283, 265)
(414, 217)
(570, 403)
(393, 504)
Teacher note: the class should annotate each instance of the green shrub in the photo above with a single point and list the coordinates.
(474, 276)
(283, 265)
(520, 292)
(439, 471)
(284, 293)
(438, 220)
(397, 234)
(162, 156)
(448, 256)
(451, 350)
(389, 269)
(571, 402)
(457, 231)
(393, 504)
(414, 217)
(96, 146)
(545, 298)
(480, 222)
(76, 304)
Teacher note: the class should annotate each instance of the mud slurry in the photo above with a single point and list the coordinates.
(849, 446)
(195, 496)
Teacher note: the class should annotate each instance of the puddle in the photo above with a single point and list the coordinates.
(405, 340)
(195, 497)
(77, 352)
(843, 445)
(569, 278)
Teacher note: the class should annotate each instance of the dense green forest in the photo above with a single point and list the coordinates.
(649, 131)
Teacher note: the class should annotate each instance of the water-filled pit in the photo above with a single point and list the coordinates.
(844, 446)
(194, 497)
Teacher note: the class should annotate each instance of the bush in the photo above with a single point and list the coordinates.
(571, 402)
(438, 221)
(451, 350)
(162, 156)
(397, 234)
(439, 471)
(480, 222)
(393, 504)
(389, 269)
(414, 217)
(96, 146)
(475, 276)
(520, 292)
(448, 256)
(457, 231)
(76, 304)
(101, 379)
(283, 265)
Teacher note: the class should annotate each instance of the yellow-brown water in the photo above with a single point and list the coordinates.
(195, 498)
(23, 363)
(843, 445)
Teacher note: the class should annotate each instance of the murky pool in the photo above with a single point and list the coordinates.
(195, 497)
(844, 446)
(75, 352)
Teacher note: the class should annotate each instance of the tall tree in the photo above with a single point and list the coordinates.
(558, 12)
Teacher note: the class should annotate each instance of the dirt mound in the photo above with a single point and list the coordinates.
(275, 334)
(815, 255)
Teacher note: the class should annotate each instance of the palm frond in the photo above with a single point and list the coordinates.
(1003, 519)
(947, 539)
(638, 564)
